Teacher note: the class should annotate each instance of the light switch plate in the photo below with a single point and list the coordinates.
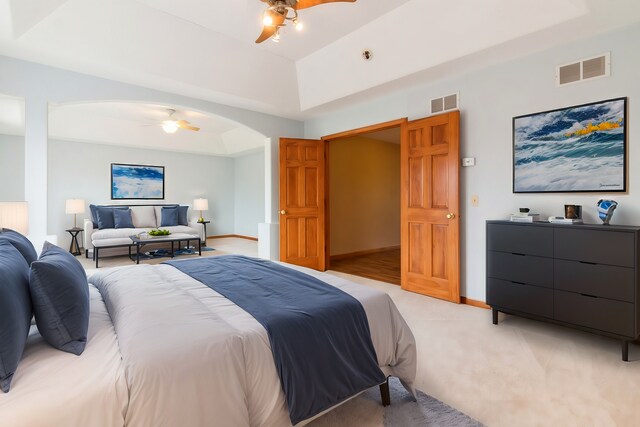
(468, 161)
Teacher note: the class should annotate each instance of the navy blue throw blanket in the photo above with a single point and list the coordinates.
(319, 335)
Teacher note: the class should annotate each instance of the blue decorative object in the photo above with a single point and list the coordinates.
(605, 210)
(21, 243)
(137, 182)
(15, 311)
(105, 216)
(122, 218)
(60, 297)
(169, 217)
(319, 335)
(575, 149)
(183, 218)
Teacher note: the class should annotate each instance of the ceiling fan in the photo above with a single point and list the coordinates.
(171, 125)
(280, 11)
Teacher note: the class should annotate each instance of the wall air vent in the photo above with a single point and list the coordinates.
(585, 69)
(444, 103)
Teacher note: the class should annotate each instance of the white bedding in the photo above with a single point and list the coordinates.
(54, 388)
(190, 357)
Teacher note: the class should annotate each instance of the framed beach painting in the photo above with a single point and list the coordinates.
(575, 149)
(139, 182)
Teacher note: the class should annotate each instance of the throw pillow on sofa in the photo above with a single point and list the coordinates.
(105, 216)
(122, 218)
(21, 243)
(169, 217)
(15, 311)
(60, 297)
(183, 215)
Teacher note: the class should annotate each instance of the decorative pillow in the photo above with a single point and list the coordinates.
(169, 217)
(183, 215)
(94, 215)
(143, 217)
(60, 297)
(15, 311)
(105, 216)
(122, 218)
(21, 243)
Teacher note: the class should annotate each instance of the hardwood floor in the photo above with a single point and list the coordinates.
(383, 266)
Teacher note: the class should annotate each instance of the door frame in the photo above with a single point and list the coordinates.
(400, 123)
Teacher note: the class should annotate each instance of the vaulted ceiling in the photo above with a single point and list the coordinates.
(205, 48)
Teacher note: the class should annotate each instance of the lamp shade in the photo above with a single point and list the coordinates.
(201, 204)
(14, 215)
(74, 206)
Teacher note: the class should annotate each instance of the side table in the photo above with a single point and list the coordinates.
(74, 248)
(204, 224)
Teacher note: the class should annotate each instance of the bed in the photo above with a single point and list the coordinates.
(165, 349)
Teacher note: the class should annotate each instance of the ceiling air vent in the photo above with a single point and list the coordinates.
(585, 69)
(444, 103)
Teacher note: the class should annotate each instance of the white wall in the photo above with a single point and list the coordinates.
(82, 171)
(249, 190)
(489, 99)
(11, 168)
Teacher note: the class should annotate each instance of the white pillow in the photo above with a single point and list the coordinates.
(143, 216)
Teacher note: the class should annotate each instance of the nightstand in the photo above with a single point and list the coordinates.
(204, 224)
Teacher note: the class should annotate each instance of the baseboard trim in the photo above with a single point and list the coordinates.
(360, 253)
(473, 302)
(238, 236)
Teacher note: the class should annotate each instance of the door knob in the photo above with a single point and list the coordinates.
(451, 215)
(283, 212)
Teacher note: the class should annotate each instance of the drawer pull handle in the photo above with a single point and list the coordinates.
(517, 254)
(518, 283)
(588, 263)
(589, 296)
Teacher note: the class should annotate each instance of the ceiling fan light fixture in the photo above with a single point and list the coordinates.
(170, 126)
(267, 20)
(299, 25)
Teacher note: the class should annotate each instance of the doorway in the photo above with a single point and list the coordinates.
(364, 200)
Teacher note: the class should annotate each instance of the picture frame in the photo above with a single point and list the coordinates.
(137, 182)
(577, 149)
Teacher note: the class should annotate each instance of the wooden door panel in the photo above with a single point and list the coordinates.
(430, 240)
(302, 202)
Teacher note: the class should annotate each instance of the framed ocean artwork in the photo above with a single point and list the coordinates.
(140, 182)
(575, 149)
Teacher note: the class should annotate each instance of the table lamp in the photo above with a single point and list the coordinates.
(75, 207)
(201, 205)
(14, 215)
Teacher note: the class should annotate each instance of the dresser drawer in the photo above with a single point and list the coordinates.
(603, 314)
(519, 238)
(595, 279)
(601, 247)
(527, 269)
(523, 298)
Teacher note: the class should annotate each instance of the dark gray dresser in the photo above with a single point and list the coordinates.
(582, 276)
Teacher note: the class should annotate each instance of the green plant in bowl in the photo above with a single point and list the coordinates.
(159, 232)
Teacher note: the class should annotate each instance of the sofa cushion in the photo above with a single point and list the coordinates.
(15, 311)
(21, 243)
(143, 216)
(158, 210)
(60, 297)
(122, 218)
(169, 216)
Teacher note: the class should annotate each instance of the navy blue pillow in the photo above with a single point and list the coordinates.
(21, 243)
(169, 217)
(60, 297)
(122, 218)
(105, 216)
(15, 311)
(183, 218)
(94, 215)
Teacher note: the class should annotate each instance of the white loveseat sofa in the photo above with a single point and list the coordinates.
(144, 218)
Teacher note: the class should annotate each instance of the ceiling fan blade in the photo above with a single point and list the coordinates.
(270, 30)
(305, 4)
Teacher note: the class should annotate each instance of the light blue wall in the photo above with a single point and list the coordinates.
(249, 185)
(11, 168)
(489, 98)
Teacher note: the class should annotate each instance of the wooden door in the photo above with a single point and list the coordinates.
(302, 202)
(430, 223)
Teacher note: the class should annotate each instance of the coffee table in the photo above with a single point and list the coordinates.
(171, 238)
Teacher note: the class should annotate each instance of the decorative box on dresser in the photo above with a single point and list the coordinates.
(582, 276)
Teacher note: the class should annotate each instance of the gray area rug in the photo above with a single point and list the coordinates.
(367, 410)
